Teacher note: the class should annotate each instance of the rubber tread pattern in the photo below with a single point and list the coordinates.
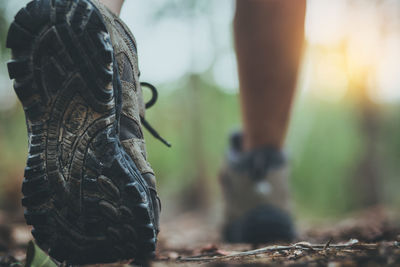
(83, 195)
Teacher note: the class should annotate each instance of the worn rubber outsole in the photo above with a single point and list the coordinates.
(83, 195)
(263, 224)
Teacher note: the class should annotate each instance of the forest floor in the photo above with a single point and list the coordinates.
(369, 238)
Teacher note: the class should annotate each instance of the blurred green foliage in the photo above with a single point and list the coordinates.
(325, 143)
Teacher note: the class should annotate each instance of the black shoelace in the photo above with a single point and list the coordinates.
(148, 105)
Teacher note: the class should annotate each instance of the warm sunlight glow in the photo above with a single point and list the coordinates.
(329, 80)
(325, 21)
(387, 87)
(351, 48)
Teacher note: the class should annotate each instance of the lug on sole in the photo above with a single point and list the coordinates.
(83, 195)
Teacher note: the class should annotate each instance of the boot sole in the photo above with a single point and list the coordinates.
(83, 195)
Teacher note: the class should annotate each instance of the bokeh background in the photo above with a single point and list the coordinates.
(343, 140)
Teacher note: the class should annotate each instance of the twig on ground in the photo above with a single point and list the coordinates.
(328, 243)
(304, 246)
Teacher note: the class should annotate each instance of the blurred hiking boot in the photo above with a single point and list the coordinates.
(256, 194)
(89, 191)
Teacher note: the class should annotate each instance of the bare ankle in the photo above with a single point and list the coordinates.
(113, 5)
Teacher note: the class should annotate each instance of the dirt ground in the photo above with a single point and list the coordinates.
(369, 238)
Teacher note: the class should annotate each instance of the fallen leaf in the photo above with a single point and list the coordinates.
(35, 257)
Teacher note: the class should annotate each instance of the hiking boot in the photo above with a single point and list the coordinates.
(89, 192)
(255, 189)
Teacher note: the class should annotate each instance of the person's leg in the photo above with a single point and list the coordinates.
(113, 5)
(269, 39)
(268, 36)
